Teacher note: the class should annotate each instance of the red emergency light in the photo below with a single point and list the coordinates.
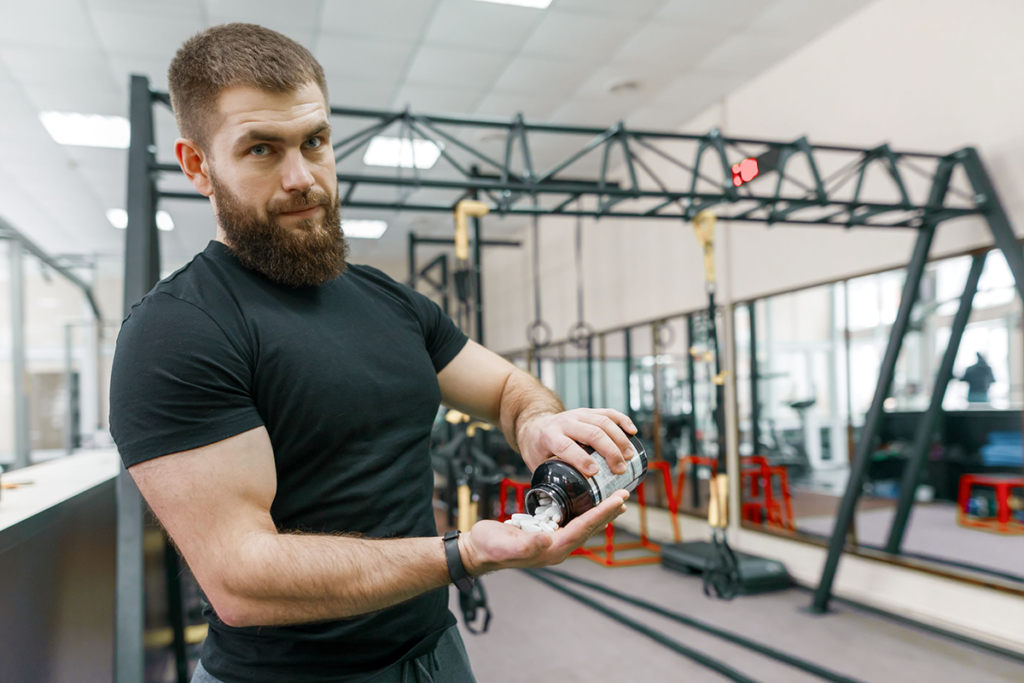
(744, 172)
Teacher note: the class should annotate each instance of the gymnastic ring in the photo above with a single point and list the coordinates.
(664, 341)
(580, 334)
(537, 340)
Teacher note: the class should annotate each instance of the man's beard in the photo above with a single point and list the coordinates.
(310, 253)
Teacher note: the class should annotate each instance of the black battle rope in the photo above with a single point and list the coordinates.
(657, 636)
(730, 636)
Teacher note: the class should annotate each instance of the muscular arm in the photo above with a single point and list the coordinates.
(215, 503)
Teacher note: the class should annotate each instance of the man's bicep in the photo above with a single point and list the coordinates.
(211, 500)
(474, 381)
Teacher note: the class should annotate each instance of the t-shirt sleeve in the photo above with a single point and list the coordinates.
(177, 381)
(443, 338)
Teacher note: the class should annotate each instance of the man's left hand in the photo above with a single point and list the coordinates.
(560, 434)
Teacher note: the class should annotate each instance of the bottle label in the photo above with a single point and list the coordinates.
(606, 482)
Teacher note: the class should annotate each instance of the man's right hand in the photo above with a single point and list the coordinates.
(491, 545)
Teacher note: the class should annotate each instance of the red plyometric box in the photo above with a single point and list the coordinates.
(1003, 522)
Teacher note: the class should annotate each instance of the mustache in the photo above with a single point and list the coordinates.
(306, 201)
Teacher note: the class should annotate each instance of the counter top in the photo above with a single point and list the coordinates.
(53, 483)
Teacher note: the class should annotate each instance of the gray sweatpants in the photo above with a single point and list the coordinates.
(448, 663)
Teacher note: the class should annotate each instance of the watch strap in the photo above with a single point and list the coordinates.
(456, 570)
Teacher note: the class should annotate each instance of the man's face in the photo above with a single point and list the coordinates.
(274, 189)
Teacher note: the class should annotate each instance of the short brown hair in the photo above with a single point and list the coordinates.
(234, 55)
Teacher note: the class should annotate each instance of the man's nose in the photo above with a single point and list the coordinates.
(296, 176)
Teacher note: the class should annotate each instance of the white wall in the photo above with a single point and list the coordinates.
(932, 75)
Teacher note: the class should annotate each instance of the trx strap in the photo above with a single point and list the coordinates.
(721, 574)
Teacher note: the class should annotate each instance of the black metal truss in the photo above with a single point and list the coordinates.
(793, 191)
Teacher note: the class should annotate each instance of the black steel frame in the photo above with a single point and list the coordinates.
(795, 200)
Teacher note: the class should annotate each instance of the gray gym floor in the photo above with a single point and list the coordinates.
(538, 635)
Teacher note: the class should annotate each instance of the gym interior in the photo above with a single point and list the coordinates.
(784, 237)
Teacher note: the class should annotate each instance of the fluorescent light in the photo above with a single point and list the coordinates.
(537, 4)
(370, 230)
(163, 221)
(119, 219)
(88, 130)
(385, 151)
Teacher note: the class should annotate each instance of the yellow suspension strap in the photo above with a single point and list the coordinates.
(721, 574)
(463, 276)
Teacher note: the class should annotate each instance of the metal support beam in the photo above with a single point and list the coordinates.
(847, 507)
(923, 438)
(629, 376)
(691, 376)
(755, 399)
(478, 286)
(22, 444)
(995, 214)
(142, 271)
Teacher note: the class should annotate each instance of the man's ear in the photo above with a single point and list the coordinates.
(194, 163)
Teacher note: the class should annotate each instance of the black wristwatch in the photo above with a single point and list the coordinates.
(456, 570)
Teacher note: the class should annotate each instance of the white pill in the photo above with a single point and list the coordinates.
(548, 525)
(550, 512)
(530, 526)
(519, 517)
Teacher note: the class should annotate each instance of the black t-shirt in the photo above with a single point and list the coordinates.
(344, 377)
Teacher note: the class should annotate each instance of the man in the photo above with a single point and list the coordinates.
(979, 378)
(274, 402)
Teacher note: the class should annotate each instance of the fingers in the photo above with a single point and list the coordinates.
(598, 439)
(571, 452)
(576, 532)
(618, 418)
(612, 429)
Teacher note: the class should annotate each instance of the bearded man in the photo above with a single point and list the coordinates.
(274, 403)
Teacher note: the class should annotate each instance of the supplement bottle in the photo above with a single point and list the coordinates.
(559, 483)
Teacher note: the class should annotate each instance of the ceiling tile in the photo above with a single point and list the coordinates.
(540, 76)
(506, 105)
(748, 53)
(393, 20)
(472, 24)
(701, 13)
(806, 18)
(638, 9)
(697, 87)
(53, 23)
(302, 32)
(661, 48)
(579, 36)
(82, 97)
(446, 66)
(269, 13)
(179, 9)
(599, 85)
(56, 67)
(355, 94)
(432, 99)
(603, 113)
(146, 35)
(359, 59)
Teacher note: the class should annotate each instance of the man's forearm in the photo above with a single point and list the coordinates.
(524, 398)
(298, 578)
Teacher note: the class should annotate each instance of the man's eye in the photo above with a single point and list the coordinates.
(260, 150)
(316, 142)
